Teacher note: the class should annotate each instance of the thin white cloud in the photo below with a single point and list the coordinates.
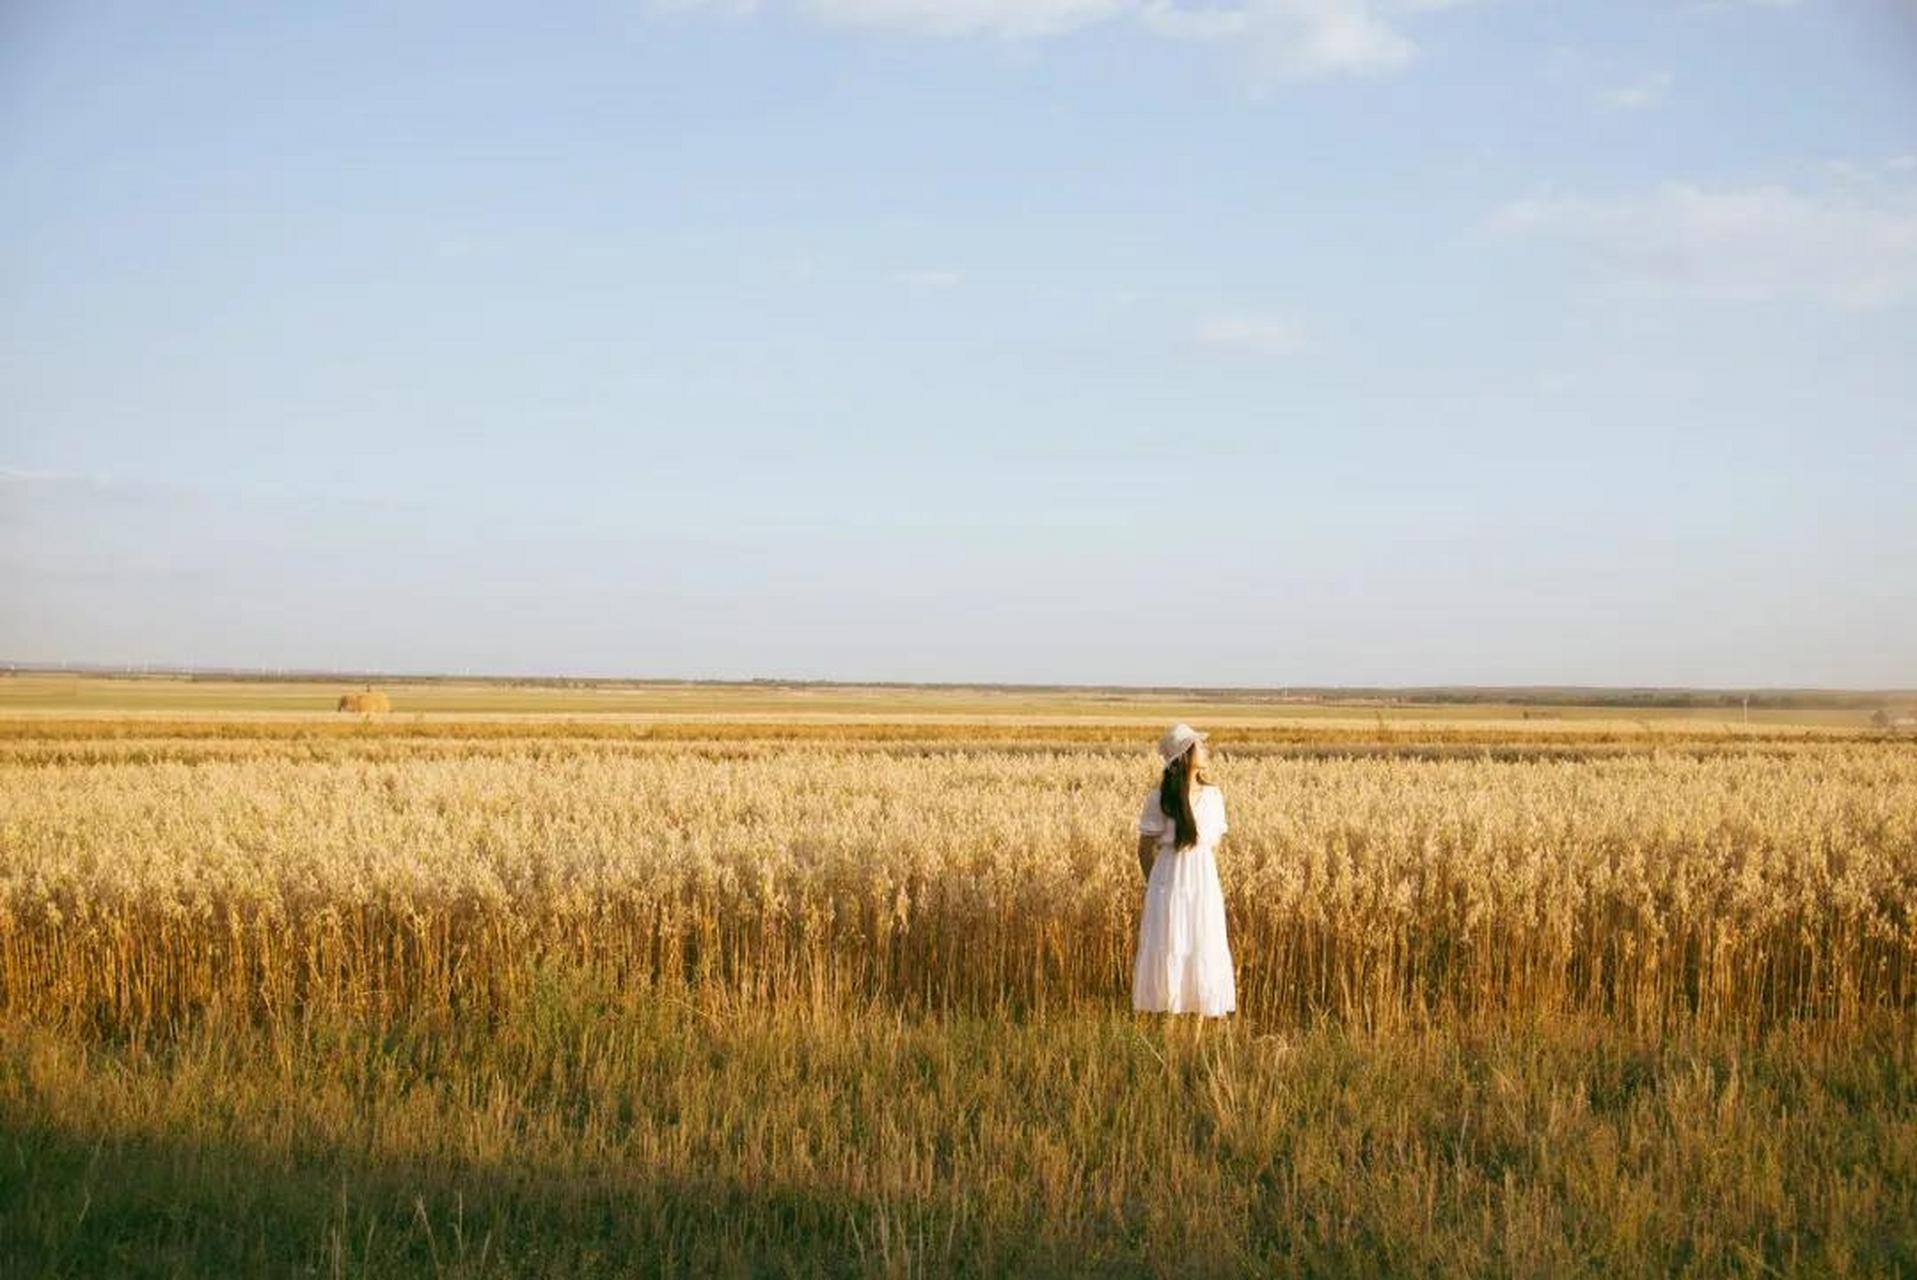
(1748, 244)
(722, 8)
(1289, 38)
(1184, 22)
(1868, 171)
(1275, 38)
(1253, 333)
(1647, 92)
(1011, 19)
(928, 278)
(41, 478)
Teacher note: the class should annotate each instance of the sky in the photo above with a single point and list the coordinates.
(1264, 342)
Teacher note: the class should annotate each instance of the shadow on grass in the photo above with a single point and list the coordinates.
(76, 1205)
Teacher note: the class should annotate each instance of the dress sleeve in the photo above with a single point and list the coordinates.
(1218, 824)
(1151, 818)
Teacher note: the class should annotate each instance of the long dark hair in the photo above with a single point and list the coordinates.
(1174, 798)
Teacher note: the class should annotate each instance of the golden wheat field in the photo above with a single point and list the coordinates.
(539, 996)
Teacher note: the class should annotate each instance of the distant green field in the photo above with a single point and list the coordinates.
(45, 693)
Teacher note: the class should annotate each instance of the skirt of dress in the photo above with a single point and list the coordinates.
(1183, 963)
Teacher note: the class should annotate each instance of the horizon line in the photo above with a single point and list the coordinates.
(362, 675)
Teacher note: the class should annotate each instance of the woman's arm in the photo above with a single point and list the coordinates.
(1147, 850)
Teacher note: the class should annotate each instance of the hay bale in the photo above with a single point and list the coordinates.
(365, 700)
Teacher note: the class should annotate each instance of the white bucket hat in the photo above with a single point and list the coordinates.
(1177, 741)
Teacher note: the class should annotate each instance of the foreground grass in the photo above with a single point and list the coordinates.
(534, 998)
(599, 1131)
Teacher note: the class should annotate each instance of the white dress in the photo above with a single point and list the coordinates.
(1184, 962)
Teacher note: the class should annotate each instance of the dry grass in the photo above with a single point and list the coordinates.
(1655, 888)
(109, 697)
(564, 998)
(598, 1130)
(365, 702)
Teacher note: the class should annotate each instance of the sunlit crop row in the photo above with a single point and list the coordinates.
(1657, 887)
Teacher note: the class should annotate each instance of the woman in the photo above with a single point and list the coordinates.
(1183, 963)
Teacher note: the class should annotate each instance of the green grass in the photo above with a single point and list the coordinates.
(599, 1132)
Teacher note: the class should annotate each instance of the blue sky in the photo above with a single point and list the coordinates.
(1269, 342)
